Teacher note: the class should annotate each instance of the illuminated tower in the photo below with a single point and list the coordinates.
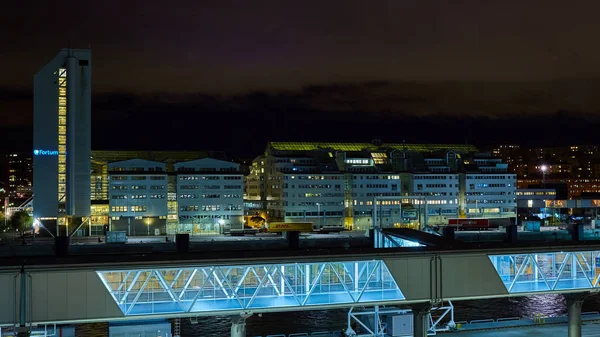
(62, 140)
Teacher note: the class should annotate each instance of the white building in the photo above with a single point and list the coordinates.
(138, 197)
(490, 195)
(316, 198)
(489, 191)
(345, 178)
(442, 193)
(209, 196)
(62, 124)
(365, 187)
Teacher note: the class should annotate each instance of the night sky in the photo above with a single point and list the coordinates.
(211, 74)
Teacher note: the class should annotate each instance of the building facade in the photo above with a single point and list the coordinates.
(442, 193)
(19, 178)
(62, 140)
(339, 184)
(210, 196)
(138, 197)
(489, 189)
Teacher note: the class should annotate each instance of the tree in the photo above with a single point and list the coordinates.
(4, 225)
(20, 221)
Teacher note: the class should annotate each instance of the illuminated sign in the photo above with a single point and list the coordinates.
(277, 227)
(37, 152)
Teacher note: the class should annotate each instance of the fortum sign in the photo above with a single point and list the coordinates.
(37, 152)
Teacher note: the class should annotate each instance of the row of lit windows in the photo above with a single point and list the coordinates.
(62, 132)
(135, 208)
(487, 193)
(209, 178)
(137, 178)
(319, 195)
(210, 187)
(536, 193)
(138, 196)
(209, 208)
(137, 187)
(472, 186)
(478, 201)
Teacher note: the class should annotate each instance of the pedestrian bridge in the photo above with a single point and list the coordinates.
(75, 293)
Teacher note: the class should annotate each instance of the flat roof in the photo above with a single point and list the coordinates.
(356, 147)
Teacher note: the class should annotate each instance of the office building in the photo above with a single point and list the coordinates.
(19, 178)
(441, 191)
(209, 196)
(489, 189)
(138, 197)
(62, 138)
(335, 184)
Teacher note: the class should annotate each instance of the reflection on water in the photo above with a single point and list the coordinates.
(329, 320)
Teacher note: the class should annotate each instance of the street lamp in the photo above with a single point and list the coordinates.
(544, 168)
(319, 214)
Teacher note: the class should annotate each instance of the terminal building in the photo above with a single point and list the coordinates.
(336, 184)
(61, 142)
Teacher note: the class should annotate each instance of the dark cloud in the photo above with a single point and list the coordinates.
(242, 46)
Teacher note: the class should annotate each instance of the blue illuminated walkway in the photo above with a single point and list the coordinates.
(548, 272)
(210, 289)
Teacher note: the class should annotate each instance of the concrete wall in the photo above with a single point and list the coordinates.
(457, 277)
(60, 296)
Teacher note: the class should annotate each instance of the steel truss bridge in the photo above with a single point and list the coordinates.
(211, 289)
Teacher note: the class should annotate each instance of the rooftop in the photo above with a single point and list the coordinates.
(313, 146)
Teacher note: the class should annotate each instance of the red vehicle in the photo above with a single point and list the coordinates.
(470, 224)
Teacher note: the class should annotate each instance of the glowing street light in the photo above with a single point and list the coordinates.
(544, 168)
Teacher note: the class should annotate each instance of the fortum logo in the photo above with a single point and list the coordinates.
(37, 152)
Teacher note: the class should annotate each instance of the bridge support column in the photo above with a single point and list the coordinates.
(448, 233)
(182, 243)
(23, 330)
(511, 233)
(576, 231)
(293, 239)
(238, 325)
(574, 304)
(420, 325)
